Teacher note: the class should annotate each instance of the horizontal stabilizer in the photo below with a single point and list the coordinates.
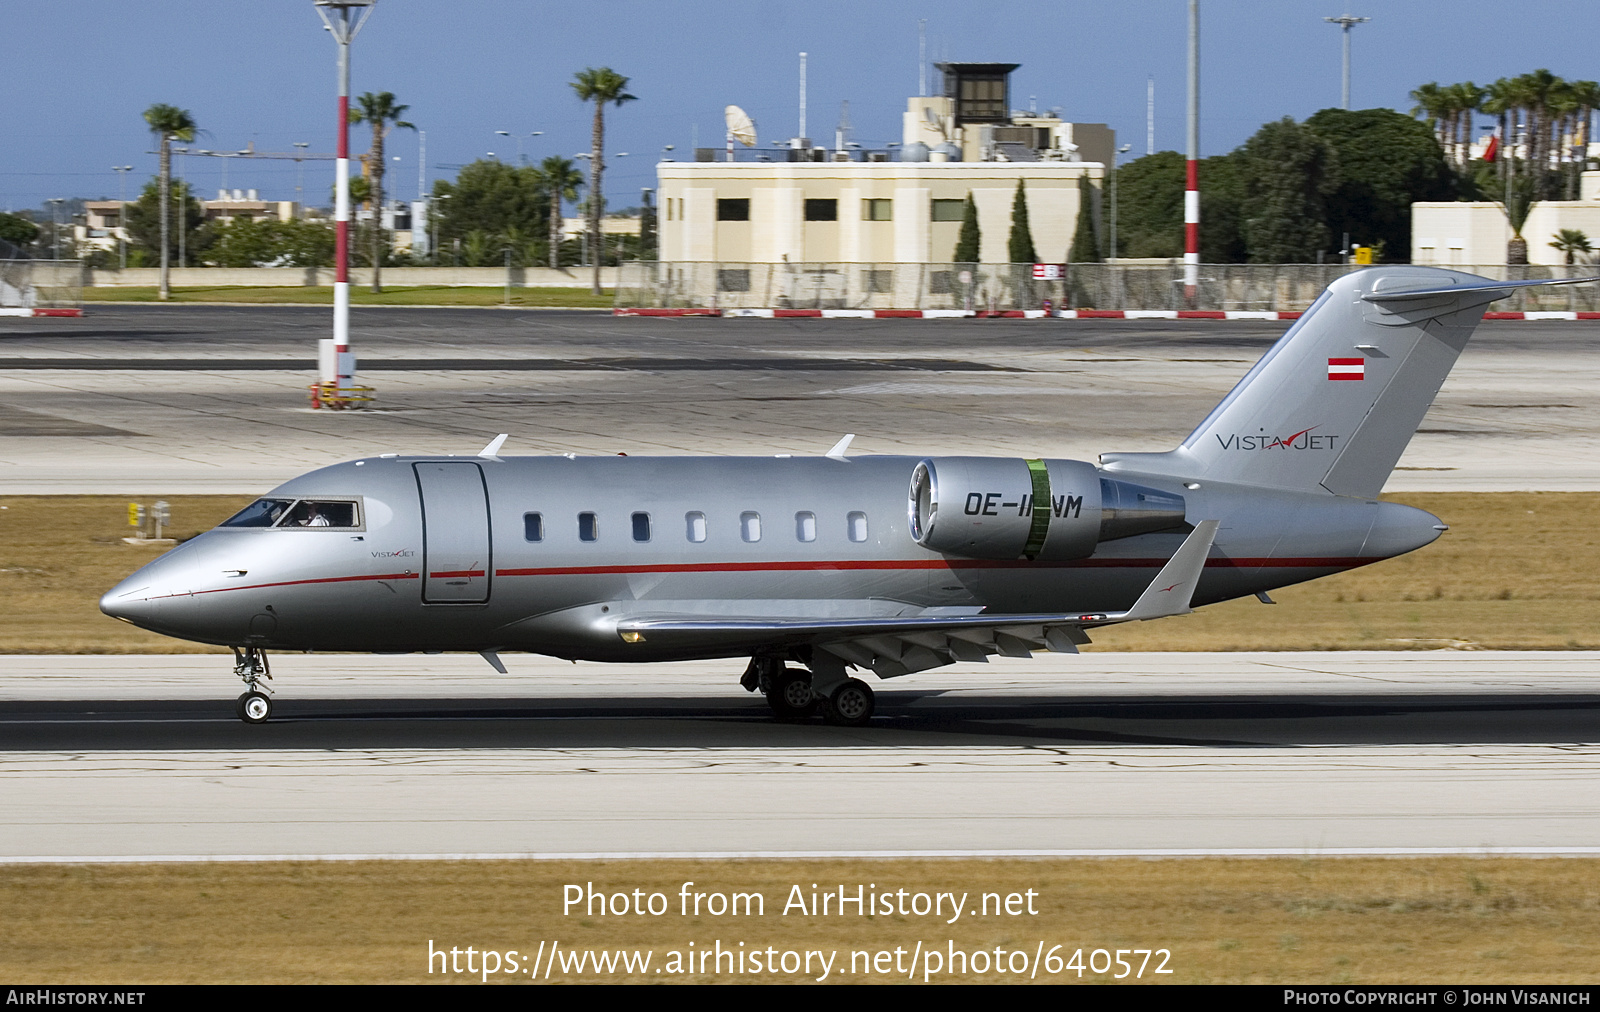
(1484, 286)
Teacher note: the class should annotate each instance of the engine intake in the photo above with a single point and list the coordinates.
(1010, 508)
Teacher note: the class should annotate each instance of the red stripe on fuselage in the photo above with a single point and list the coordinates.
(294, 583)
(828, 566)
(916, 564)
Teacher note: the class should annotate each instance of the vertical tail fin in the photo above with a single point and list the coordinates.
(1333, 404)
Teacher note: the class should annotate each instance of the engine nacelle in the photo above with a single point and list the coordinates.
(1010, 508)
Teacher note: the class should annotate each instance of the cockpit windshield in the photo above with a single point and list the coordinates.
(261, 513)
(340, 513)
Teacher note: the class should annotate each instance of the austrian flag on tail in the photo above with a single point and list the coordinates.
(1346, 369)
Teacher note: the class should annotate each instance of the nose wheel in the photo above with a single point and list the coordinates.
(250, 664)
(254, 707)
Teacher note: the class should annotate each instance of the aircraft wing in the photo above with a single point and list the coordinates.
(900, 645)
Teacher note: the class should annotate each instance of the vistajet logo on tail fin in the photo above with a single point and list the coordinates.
(1302, 440)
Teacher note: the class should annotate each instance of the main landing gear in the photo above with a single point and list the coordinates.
(250, 664)
(795, 694)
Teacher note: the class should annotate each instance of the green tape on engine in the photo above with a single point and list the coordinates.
(1041, 508)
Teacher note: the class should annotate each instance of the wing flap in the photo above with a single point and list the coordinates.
(893, 645)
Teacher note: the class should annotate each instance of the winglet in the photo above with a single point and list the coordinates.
(837, 453)
(494, 446)
(1173, 588)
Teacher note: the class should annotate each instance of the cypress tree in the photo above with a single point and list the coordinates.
(1019, 245)
(1086, 238)
(967, 245)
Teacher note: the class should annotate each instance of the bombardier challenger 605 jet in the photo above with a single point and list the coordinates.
(812, 567)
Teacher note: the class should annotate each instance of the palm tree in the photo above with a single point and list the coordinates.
(1539, 90)
(561, 180)
(380, 111)
(600, 85)
(1586, 94)
(1467, 98)
(1501, 102)
(1431, 105)
(168, 123)
(1571, 241)
(1518, 203)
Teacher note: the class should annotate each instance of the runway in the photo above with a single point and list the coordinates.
(1145, 753)
(169, 400)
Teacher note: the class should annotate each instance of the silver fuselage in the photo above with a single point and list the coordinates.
(407, 580)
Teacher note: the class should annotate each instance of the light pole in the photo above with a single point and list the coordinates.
(335, 15)
(521, 159)
(300, 177)
(1116, 156)
(1346, 22)
(55, 223)
(433, 222)
(122, 213)
(1116, 272)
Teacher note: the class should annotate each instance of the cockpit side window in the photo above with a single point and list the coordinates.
(261, 513)
(322, 513)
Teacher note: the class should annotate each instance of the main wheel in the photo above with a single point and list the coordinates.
(851, 704)
(791, 697)
(254, 707)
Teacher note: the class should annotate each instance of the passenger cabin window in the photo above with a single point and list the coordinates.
(695, 526)
(641, 527)
(750, 526)
(805, 526)
(588, 527)
(856, 526)
(533, 526)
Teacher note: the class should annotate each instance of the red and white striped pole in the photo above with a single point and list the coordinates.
(340, 371)
(1191, 193)
(341, 223)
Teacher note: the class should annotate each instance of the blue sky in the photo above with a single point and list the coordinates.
(81, 72)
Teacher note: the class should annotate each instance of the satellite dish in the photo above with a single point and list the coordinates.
(933, 119)
(740, 126)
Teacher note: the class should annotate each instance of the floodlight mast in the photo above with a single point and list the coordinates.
(344, 32)
(1346, 22)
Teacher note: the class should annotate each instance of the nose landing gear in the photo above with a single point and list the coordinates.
(250, 664)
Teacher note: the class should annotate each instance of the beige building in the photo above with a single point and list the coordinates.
(807, 204)
(861, 212)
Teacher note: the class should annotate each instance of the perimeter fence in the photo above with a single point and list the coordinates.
(945, 286)
(41, 284)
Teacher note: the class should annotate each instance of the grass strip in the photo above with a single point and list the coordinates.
(1455, 920)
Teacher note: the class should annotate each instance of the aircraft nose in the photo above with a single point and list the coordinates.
(129, 600)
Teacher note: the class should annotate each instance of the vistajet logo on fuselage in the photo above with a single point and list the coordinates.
(1302, 440)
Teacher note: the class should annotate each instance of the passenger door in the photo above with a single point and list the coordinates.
(456, 562)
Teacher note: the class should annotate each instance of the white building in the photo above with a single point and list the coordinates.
(1463, 234)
